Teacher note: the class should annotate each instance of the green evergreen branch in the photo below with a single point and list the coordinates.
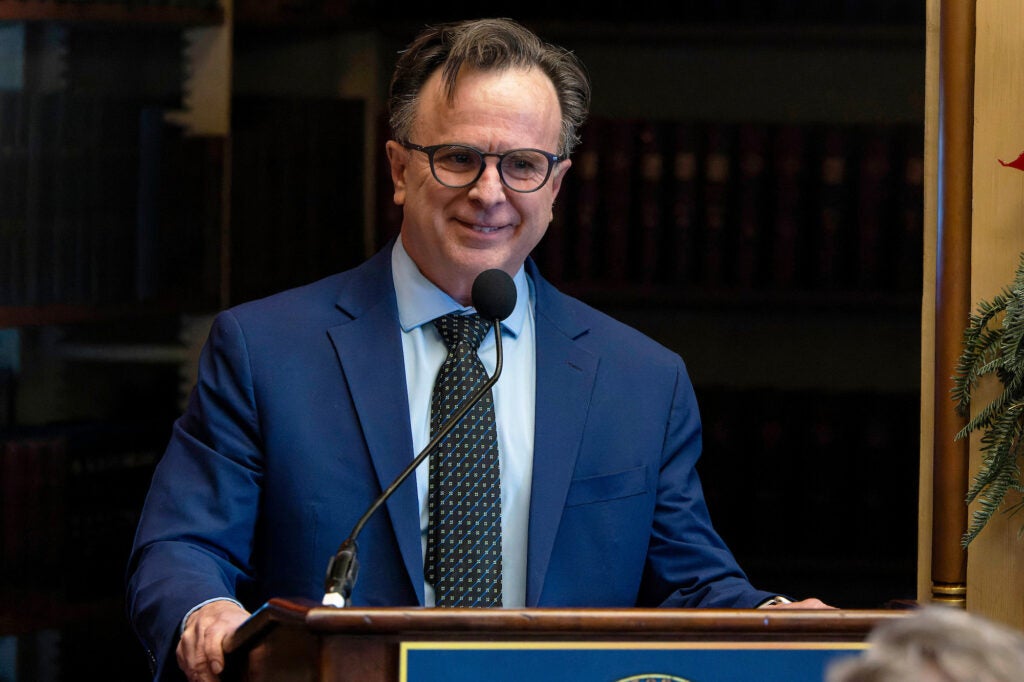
(993, 344)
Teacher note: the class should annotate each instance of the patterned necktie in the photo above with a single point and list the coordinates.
(463, 560)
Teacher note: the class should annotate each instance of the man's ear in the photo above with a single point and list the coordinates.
(557, 175)
(398, 158)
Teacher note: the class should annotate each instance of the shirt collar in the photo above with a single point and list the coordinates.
(420, 301)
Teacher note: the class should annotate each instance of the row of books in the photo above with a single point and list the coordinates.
(60, 214)
(740, 207)
(101, 201)
(70, 498)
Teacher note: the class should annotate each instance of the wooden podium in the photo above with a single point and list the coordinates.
(289, 640)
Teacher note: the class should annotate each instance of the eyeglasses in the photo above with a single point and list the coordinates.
(459, 165)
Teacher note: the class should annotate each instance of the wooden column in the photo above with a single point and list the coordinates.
(952, 295)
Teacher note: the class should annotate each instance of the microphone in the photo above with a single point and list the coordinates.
(494, 297)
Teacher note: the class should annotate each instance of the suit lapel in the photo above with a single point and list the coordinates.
(376, 381)
(565, 380)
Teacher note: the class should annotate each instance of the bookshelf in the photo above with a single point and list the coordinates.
(109, 242)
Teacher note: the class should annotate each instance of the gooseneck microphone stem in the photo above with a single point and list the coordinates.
(494, 297)
(440, 435)
(344, 566)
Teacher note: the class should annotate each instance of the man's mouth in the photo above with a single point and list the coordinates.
(482, 229)
(486, 229)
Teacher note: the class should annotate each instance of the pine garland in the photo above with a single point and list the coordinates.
(993, 343)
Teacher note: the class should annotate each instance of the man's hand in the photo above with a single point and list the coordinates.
(201, 649)
(802, 604)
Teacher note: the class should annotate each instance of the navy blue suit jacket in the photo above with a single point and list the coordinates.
(300, 418)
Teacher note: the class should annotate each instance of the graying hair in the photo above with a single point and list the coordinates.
(936, 644)
(486, 45)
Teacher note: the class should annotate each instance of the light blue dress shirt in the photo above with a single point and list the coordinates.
(420, 302)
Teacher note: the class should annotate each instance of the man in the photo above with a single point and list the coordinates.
(311, 402)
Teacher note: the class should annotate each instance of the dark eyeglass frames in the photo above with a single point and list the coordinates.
(459, 165)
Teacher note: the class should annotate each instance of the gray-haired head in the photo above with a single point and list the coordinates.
(486, 45)
(936, 644)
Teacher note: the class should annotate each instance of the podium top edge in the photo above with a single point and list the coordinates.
(635, 620)
(535, 622)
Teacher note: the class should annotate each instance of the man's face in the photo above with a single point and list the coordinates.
(454, 234)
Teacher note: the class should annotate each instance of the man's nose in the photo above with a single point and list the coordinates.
(488, 188)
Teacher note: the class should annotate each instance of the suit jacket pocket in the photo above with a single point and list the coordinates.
(607, 487)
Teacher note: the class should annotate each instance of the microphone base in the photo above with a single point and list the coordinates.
(341, 574)
(334, 599)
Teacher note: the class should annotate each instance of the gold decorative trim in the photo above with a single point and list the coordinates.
(950, 594)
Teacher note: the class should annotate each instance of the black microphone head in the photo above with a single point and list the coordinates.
(494, 294)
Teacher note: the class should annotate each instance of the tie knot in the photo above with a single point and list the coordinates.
(469, 329)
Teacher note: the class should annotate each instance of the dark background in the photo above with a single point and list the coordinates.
(793, 296)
